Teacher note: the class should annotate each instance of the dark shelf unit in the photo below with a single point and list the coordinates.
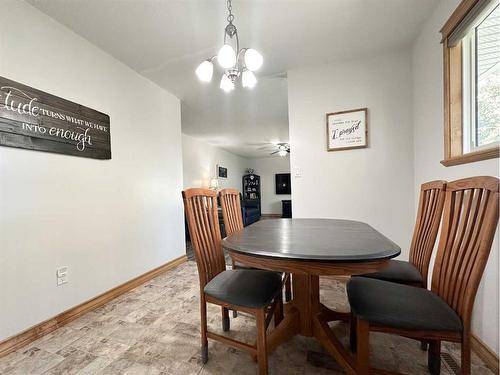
(251, 198)
(251, 187)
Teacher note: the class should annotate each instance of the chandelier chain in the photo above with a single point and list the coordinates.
(230, 16)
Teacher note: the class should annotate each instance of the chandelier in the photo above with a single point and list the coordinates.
(240, 63)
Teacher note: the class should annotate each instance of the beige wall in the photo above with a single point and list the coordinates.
(428, 151)
(375, 184)
(379, 185)
(200, 160)
(108, 221)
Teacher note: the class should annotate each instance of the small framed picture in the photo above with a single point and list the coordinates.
(221, 171)
(347, 130)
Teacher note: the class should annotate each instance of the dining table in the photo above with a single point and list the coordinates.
(307, 249)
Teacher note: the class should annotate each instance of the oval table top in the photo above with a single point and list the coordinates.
(326, 240)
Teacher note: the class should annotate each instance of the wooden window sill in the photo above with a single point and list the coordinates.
(471, 157)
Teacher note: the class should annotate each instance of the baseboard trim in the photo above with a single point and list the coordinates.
(15, 342)
(271, 216)
(483, 351)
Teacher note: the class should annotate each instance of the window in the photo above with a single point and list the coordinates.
(471, 39)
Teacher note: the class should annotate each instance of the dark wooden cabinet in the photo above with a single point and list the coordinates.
(286, 208)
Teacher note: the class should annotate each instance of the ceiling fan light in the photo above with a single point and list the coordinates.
(226, 56)
(248, 79)
(282, 152)
(226, 84)
(204, 71)
(253, 59)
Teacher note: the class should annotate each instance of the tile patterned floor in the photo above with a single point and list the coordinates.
(154, 329)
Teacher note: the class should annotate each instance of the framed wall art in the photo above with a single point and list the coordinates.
(221, 171)
(36, 120)
(347, 130)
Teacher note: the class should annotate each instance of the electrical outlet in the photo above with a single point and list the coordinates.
(61, 271)
(62, 275)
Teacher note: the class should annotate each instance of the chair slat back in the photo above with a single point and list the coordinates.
(430, 210)
(469, 223)
(200, 206)
(231, 210)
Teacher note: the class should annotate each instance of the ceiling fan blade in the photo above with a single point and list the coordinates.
(275, 152)
(270, 147)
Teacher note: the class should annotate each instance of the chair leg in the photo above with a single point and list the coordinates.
(362, 347)
(288, 288)
(278, 312)
(225, 319)
(434, 357)
(233, 266)
(352, 333)
(261, 342)
(466, 355)
(424, 345)
(204, 340)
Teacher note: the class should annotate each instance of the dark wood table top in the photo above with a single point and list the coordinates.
(326, 240)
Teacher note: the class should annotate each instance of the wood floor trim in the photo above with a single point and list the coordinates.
(483, 351)
(15, 342)
(271, 216)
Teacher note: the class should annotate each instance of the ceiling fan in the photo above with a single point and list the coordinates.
(282, 149)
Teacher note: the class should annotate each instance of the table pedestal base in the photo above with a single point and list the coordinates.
(306, 316)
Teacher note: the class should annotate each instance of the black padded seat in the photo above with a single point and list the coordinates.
(400, 306)
(245, 287)
(400, 272)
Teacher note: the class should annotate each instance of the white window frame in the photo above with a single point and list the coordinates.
(469, 85)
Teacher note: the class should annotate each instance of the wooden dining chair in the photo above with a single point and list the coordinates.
(444, 313)
(415, 271)
(230, 201)
(256, 292)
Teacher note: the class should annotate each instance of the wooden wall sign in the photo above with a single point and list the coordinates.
(35, 120)
(347, 130)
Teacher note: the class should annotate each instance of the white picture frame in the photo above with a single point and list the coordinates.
(347, 130)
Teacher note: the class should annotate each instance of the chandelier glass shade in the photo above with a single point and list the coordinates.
(205, 71)
(226, 56)
(235, 62)
(248, 79)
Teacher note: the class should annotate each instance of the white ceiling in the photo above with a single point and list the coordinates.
(165, 40)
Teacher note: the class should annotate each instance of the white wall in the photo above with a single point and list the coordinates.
(200, 160)
(374, 185)
(428, 138)
(109, 221)
(266, 168)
